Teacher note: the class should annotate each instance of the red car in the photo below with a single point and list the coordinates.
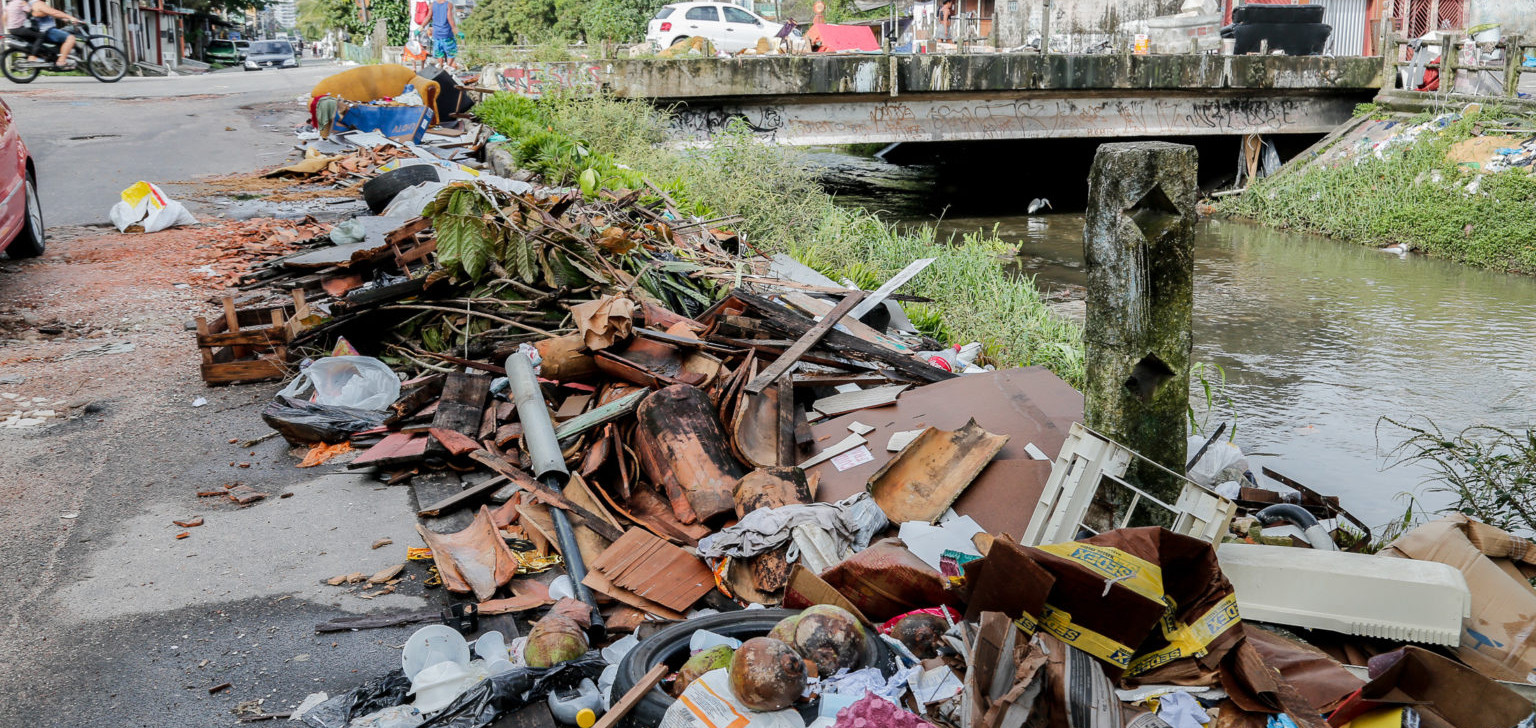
(21, 213)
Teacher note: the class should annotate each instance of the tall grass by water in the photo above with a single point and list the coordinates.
(782, 209)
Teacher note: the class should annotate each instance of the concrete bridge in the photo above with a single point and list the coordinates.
(847, 99)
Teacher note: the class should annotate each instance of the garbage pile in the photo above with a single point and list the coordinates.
(798, 511)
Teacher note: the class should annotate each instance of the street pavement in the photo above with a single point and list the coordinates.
(92, 139)
(106, 618)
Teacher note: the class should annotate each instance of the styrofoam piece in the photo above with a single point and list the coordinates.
(1359, 594)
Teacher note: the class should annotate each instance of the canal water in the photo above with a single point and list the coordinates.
(1319, 339)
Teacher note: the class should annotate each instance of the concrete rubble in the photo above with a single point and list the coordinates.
(663, 479)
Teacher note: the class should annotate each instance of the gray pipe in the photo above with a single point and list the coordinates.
(549, 468)
(1301, 518)
(533, 413)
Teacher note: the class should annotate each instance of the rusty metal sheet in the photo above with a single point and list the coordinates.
(1030, 405)
(474, 559)
(929, 474)
(684, 450)
(771, 488)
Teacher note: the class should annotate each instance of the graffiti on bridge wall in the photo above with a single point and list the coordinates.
(536, 79)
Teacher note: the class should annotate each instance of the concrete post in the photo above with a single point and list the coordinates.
(1138, 243)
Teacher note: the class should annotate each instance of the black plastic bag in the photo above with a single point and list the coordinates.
(509, 691)
(370, 697)
(302, 422)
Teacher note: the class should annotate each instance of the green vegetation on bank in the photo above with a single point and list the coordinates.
(596, 142)
(1413, 194)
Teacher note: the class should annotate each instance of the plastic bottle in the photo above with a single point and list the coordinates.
(948, 359)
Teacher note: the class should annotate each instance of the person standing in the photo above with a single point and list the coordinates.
(444, 29)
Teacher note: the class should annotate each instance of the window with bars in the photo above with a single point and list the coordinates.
(1418, 17)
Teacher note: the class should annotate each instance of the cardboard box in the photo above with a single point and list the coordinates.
(1445, 694)
(400, 123)
(1497, 640)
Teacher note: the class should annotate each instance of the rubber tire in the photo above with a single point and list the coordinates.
(670, 645)
(106, 52)
(32, 238)
(5, 67)
(381, 190)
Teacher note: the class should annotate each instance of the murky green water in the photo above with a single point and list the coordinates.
(1320, 339)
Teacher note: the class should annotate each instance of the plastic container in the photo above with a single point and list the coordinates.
(1360, 594)
(430, 645)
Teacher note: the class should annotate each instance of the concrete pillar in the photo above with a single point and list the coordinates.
(1138, 244)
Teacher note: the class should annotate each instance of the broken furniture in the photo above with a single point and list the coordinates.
(1088, 493)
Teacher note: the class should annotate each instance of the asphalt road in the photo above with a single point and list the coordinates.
(92, 139)
(106, 618)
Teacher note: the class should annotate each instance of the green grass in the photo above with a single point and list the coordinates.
(1415, 196)
(975, 297)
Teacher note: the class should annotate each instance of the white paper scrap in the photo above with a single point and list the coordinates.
(900, 440)
(853, 458)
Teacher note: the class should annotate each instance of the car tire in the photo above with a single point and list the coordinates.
(32, 238)
(670, 645)
(381, 190)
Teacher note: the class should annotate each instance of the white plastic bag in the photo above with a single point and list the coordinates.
(147, 206)
(1222, 462)
(346, 381)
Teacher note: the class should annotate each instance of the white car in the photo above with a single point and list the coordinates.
(731, 28)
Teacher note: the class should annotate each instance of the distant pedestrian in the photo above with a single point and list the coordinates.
(444, 29)
(946, 13)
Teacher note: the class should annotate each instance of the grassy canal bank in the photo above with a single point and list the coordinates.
(1456, 185)
(600, 142)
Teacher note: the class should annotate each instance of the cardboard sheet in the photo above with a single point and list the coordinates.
(1029, 405)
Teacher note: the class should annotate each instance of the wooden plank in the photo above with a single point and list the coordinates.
(786, 406)
(632, 697)
(454, 442)
(807, 340)
(526, 482)
(242, 371)
(602, 415)
(845, 344)
(249, 337)
(463, 497)
(395, 449)
(461, 406)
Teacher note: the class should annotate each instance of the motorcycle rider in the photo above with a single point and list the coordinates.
(45, 18)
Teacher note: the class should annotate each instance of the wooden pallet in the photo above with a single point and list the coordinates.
(249, 345)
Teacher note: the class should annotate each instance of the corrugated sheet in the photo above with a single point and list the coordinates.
(1349, 26)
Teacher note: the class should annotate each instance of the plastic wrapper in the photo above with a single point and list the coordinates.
(347, 381)
(306, 422)
(508, 691)
(370, 697)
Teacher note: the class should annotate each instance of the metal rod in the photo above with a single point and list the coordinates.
(1201, 452)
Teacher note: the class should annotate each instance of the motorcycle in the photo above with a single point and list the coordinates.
(93, 51)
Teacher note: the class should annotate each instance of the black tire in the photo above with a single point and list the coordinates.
(31, 239)
(381, 190)
(16, 75)
(107, 64)
(670, 645)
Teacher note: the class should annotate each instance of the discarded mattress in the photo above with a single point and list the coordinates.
(1360, 594)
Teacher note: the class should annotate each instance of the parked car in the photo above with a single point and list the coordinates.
(270, 54)
(221, 51)
(731, 28)
(21, 212)
(242, 46)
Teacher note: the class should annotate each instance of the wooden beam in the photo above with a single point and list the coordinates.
(809, 339)
(632, 697)
(553, 498)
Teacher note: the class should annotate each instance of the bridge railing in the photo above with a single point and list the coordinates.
(1465, 69)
